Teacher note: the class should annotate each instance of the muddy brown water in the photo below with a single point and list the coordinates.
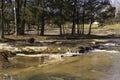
(114, 72)
(73, 67)
(93, 66)
(85, 67)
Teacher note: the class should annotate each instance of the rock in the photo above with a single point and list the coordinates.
(4, 62)
(3, 57)
(93, 42)
(82, 50)
(58, 43)
(96, 47)
(88, 49)
(31, 40)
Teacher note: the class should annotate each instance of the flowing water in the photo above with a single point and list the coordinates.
(114, 72)
(82, 67)
(115, 69)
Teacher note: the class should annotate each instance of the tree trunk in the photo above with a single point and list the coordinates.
(83, 29)
(78, 27)
(90, 27)
(8, 28)
(74, 17)
(22, 32)
(38, 28)
(17, 17)
(73, 25)
(43, 19)
(83, 18)
(61, 30)
(42, 25)
(2, 23)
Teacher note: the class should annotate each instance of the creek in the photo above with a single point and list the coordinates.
(111, 47)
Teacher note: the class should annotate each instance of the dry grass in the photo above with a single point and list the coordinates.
(106, 27)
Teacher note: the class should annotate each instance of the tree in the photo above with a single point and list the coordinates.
(83, 16)
(41, 5)
(91, 12)
(8, 16)
(17, 17)
(2, 23)
(117, 18)
(100, 10)
(43, 17)
(22, 17)
(58, 10)
(74, 16)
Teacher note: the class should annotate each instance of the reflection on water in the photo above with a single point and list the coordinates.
(53, 77)
(115, 69)
(86, 67)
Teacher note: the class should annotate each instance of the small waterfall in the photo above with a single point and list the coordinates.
(101, 47)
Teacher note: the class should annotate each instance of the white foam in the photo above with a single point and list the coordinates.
(33, 55)
(110, 44)
(107, 51)
(69, 53)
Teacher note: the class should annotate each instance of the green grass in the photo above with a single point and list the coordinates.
(107, 26)
(114, 26)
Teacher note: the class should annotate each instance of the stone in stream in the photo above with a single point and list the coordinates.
(87, 49)
(95, 47)
(82, 50)
(31, 40)
(4, 62)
